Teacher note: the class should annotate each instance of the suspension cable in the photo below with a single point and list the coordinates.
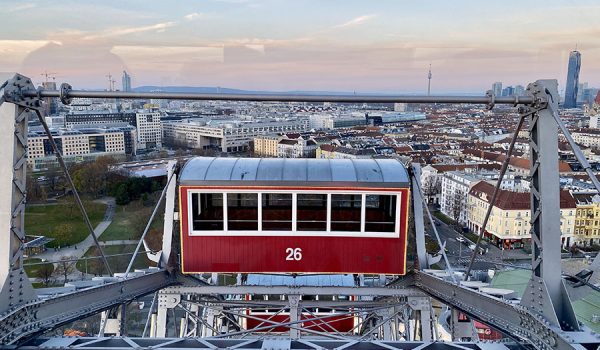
(72, 185)
(497, 187)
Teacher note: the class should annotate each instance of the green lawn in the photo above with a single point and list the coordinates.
(48, 220)
(32, 270)
(117, 263)
(130, 220)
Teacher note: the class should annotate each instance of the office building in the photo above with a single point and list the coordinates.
(572, 85)
(126, 81)
(77, 145)
(497, 88)
(99, 118)
(149, 130)
(224, 135)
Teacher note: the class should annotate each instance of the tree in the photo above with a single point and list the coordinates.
(92, 177)
(457, 206)
(35, 192)
(65, 267)
(63, 233)
(122, 195)
(45, 273)
(431, 187)
(54, 176)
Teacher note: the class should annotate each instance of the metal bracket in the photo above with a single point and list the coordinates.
(492, 99)
(65, 89)
(13, 92)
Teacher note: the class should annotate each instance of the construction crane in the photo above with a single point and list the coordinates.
(47, 75)
(111, 82)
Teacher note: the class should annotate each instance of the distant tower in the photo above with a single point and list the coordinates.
(126, 81)
(497, 88)
(429, 81)
(572, 84)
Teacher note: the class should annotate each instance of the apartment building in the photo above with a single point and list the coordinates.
(509, 224)
(587, 219)
(296, 148)
(266, 145)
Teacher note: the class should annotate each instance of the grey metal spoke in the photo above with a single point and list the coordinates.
(497, 188)
(437, 235)
(149, 314)
(577, 151)
(162, 196)
(61, 161)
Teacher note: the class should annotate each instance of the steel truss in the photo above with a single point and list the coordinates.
(214, 316)
(278, 343)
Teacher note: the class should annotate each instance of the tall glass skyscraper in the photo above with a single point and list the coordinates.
(572, 80)
(126, 81)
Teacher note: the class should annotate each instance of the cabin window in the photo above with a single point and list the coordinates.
(277, 211)
(242, 211)
(312, 212)
(207, 211)
(380, 213)
(346, 212)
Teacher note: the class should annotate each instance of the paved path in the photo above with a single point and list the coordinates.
(79, 249)
(119, 242)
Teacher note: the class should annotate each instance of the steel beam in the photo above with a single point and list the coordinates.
(15, 287)
(546, 294)
(514, 320)
(308, 343)
(67, 94)
(37, 317)
(419, 222)
(293, 290)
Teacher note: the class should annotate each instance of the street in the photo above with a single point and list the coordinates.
(459, 253)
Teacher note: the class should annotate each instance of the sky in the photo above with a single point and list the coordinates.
(363, 46)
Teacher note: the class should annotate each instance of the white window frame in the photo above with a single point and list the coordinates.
(294, 231)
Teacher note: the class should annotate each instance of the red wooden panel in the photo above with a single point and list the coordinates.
(320, 254)
(327, 324)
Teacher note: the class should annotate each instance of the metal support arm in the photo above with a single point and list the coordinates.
(37, 317)
(514, 320)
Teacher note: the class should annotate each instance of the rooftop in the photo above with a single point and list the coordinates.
(374, 172)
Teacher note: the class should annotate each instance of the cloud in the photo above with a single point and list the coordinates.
(21, 7)
(192, 16)
(356, 21)
(114, 32)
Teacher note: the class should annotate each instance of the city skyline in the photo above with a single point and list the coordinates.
(338, 46)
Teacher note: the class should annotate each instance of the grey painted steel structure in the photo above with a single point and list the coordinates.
(547, 327)
(66, 94)
(546, 294)
(274, 343)
(274, 171)
(15, 288)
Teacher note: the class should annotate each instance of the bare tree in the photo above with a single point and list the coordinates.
(65, 267)
(45, 273)
(431, 187)
(457, 206)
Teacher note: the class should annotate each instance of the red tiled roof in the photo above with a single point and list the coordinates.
(508, 200)
(442, 168)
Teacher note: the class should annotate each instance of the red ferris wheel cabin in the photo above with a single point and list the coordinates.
(272, 215)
